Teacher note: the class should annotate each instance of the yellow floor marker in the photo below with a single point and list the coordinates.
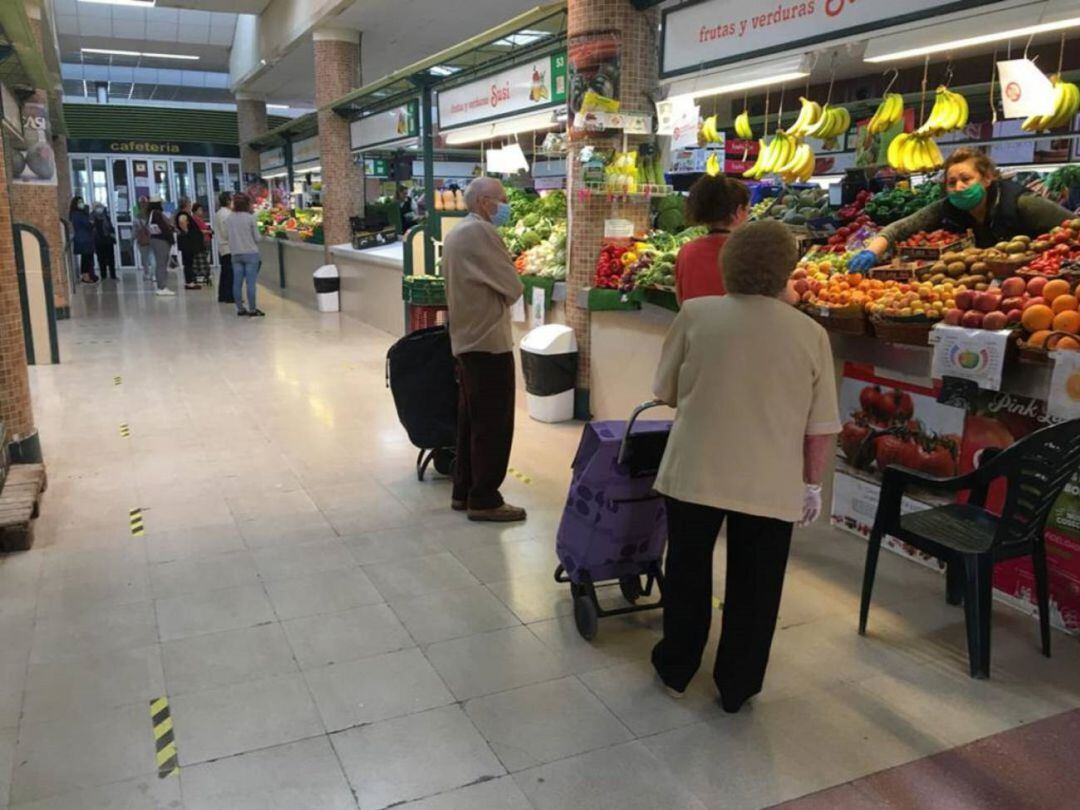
(716, 603)
(136, 522)
(168, 762)
(125, 431)
(520, 476)
(117, 380)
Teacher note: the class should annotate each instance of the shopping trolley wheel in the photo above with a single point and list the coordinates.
(631, 588)
(443, 460)
(585, 616)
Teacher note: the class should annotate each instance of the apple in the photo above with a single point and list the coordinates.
(965, 299)
(954, 316)
(1031, 302)
(800, 272)
(987, 301)
(995, 320)
(1035, 286)
(801, 286)
(1009, 304)
(1011, 287)
(972, 319)
(1014, 316)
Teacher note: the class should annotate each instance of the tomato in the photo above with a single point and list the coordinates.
(869, 398)
(888, 450)
(938, 462)
(981, 432)
(905, 408)
(852, 437)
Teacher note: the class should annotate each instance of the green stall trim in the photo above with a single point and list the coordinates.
(536, 283)
(601, 300)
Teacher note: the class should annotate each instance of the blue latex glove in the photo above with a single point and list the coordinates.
(862, 261)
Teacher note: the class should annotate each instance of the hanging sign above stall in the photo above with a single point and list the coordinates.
(1025, 90)
(272, 159)
(306, 150)
(374, 167)
(533, 85)
(709, 33)
(395, 124)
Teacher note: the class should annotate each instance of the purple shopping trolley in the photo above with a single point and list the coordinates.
(614, 525)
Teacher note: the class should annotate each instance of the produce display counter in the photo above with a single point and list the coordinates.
(288, 265)
(371, 284)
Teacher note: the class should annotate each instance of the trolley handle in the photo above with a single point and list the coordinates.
(644, 406)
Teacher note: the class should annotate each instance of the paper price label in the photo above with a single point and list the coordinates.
(970, 354)
(539, 308)
(1064, 399)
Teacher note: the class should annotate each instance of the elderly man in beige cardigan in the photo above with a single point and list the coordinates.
(752, 379)
(481, 286)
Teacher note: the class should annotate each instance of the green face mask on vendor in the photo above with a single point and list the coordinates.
(969, 198)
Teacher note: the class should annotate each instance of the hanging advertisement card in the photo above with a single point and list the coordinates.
(970, 354)
(33, 161)
(395, 124)
(595, 69)
(1025, 90)
(1064, 399)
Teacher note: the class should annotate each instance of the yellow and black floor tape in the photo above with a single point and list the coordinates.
(136, 522)
(520, 476)
(168, 762)
(716, 603)
(125, 431)
(117, 380)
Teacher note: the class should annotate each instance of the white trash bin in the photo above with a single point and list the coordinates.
(549, 358)
(327, 288)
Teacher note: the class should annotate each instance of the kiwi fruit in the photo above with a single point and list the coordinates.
(956, 269)
(980, 268)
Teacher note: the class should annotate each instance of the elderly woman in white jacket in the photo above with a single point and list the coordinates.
(752, 380)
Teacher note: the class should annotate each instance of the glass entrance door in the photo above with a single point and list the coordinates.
(122, 212)
(181, 170)
(80, 179)
(160, 184)
(202, 186)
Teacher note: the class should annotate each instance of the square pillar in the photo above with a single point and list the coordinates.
(250, 123)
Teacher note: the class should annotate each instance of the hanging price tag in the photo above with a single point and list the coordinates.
(1064, 399)
(970, 354)
(539, 307)
(1025, 90)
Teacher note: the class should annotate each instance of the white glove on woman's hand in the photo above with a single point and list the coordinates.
(811, 509)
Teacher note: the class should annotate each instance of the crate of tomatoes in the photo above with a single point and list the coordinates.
(931, 245)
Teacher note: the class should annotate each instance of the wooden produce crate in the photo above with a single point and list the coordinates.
(843, 321)
(933, 254)
(909, 332)
(896, 270)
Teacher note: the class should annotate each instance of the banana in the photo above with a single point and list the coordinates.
(742, 125)
(1064, 106)
(937, 160)
(712, 166)
(889, 111)
(895, 151)
(801, 165)
(909, 158)
(809, 115)
(755, 170)
(962, 103)
(709, 130)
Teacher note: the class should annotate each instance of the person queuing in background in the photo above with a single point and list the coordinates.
(82, 239)
(221, 230)
(189, 240)
(161, 240)
(481, 285)
(243, 236)
(405, 206)
(104, 241)
(768, 370)
(977, 199)
(720, 204)
(141, 230)
(201, 260)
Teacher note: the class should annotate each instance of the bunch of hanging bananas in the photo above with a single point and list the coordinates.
(742, 125)
(1066, 104)
(914, 152)
(888, 113)
(708, 132)
(950, 112)
(785, 155)
(809, 117)
(713, 166)
(834, 121)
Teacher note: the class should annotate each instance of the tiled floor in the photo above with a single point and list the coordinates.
(330, 635)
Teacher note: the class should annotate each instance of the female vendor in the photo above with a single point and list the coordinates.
(995, 210)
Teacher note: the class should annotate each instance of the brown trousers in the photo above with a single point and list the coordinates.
(485, 427)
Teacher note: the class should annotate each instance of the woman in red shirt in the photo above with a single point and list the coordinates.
(720, 204)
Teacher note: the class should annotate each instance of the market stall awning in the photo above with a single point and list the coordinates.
(303, 126)
(536, 31)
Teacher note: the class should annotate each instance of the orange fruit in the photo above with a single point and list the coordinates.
(1064, 303)
(1055, 288)
(1072, 387)
(1037, 318)
(1068, 321)
(1067, 343)
(1038, 339)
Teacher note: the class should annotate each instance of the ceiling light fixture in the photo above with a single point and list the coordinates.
(136, 3)
(113, 52)
(277, 106)
(983, 39)
(749, 84)
(443, 70)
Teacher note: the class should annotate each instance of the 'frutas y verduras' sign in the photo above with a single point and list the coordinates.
(715, 32)
(535, 84)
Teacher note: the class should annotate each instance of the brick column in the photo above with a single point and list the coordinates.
(250, 123)
(636, 32)
(34, 204)
(15, 410)
(337, 71)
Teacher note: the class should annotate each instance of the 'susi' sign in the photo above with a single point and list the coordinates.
(531, 85)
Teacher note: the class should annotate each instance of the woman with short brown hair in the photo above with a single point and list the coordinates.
(752, 380)
(720, 204)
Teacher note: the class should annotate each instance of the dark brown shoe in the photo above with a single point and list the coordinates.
(458, 506)
(500, 514)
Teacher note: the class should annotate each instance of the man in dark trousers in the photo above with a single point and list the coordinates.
(481, 285)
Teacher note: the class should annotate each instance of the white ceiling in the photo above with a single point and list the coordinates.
(235, 6)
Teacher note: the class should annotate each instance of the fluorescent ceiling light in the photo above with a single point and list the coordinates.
(138, 3)
(277, 106)
(749, 84)
(521, 38)
(443, 70)
(532, 122)
(983, 39)
(113, 52)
